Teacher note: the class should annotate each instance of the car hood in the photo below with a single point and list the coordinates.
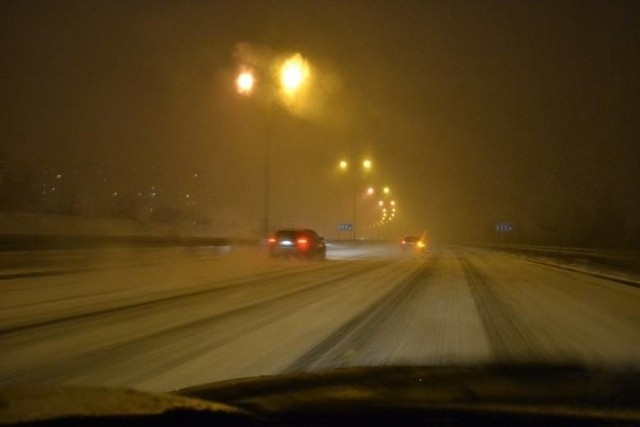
(507, 387)
(556, 391)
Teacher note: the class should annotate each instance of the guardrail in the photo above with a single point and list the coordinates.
(623, 259)
(39, 242)
(73, 242)
(357, 242)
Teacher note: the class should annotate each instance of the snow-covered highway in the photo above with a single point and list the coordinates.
(161, 319)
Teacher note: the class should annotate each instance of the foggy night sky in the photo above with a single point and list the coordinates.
(474, 112)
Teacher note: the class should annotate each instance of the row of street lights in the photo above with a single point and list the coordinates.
(365, 168)
(292, 75)
(388, 210)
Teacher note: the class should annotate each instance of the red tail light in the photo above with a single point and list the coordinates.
(302, 242)
(272, 239)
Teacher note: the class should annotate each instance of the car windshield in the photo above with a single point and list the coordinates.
(155, 155)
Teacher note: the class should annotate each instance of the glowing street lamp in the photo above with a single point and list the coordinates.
(245, 82)
(293, 74)
(386, 190)
(343, 165)
(380, 203)
(393, 203)
(370, 191)
(366, 164)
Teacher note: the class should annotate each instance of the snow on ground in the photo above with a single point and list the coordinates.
(163, 319)
(582, 264)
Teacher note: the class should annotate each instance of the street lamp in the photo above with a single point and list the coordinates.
(293, 74)
(367, 164)
(245, 82)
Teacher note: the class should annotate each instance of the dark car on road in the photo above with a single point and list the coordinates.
(413, 243)
(301, 243)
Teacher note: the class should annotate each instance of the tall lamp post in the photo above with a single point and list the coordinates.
(292, 75)
(366, 167)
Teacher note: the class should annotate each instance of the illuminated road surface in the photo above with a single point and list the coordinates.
(165, 319)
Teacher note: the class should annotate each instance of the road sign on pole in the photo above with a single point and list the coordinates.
(504, 227)
(345, 227)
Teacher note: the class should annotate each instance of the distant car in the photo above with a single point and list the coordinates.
(413, 243)
(301, 243)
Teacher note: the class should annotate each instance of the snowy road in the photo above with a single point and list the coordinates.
(165, 319)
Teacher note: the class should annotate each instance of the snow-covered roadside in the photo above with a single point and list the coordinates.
(580, 265)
